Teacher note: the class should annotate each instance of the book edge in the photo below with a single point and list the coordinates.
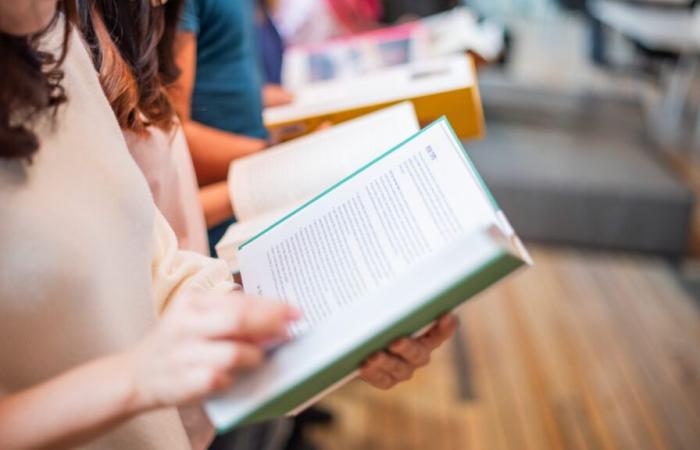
(277, 124)
(490, 272)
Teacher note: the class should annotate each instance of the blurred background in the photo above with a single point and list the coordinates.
(593, 151)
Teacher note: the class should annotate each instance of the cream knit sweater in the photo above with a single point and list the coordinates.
(86, 261)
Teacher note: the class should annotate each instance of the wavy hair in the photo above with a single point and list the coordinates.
(132, 47)
(31, 86)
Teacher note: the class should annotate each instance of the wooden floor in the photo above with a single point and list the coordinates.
(584, 351)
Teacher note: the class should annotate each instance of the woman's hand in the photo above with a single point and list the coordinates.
(195, 350)
(386, 369)
(200, 344)
(276, 95)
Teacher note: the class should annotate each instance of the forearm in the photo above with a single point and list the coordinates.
(213, 150)
(216, 203)
(72, 408)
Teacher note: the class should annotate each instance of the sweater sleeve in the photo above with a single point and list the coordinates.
(174, 269)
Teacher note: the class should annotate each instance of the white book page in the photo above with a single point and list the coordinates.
(382, 86)
(289, 174)
(371, 229)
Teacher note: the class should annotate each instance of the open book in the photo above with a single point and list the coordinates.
(265, 186)
(355, 55)
(379, 255)
(443, 86)
(456, 31)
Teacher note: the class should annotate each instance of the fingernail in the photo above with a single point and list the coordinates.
(285, 335)
(400, 345)
(294, 313)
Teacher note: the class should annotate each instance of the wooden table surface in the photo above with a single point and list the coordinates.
(584, 351)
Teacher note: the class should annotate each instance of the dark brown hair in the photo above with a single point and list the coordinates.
(31, 86)
(132, 47)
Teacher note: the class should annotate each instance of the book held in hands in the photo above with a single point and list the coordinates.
(383, 251)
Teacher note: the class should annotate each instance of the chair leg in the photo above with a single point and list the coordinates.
(696, 130)
(667, 118)
(462, 366)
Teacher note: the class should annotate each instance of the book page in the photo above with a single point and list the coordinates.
(289, 174)
(370, 229)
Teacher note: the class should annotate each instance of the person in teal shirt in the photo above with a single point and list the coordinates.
(227, 93)
(219, 97)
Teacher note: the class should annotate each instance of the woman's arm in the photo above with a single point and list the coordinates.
(70, 409)
(276, 95)
(194, 351)
(212, 150)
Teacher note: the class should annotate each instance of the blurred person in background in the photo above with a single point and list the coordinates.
(310, 21)
(271, 49)
(302, 22)
(219, 97)
(400, 10)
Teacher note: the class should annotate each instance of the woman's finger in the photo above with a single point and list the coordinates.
(412, 351)
(225, 355)
(378, 379)
(441, 332)
(241, 355)
(204, 352)
(261, 320)
(202, 382)
(399, 369)
(223, 381)
(247, 319)
(376, 376)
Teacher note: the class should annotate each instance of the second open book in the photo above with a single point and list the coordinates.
(405, 236)
(266, 186)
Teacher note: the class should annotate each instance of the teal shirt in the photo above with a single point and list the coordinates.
(227, 89)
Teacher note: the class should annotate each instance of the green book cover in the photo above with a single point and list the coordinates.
(422, 290)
